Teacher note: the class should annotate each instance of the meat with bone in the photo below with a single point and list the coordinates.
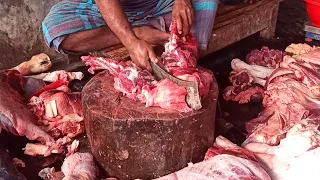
(179, 59)
(16, 118)
(292, 94)
(223, 161)
(59, 113)
(37, 64)
(58, 75)
(255, 71)
(247, 82)
(180, 51)
(76, 166)
(265, 57)
(297, 155)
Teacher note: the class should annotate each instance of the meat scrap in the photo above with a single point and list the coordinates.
(247, 82)
(265, 57)
(75, 166)
(223, 161)
(59, 75)
(179, 59)
(18, 162)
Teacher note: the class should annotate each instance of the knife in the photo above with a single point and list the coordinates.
(193, 97)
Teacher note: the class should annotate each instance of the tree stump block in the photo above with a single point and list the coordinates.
(131, 141)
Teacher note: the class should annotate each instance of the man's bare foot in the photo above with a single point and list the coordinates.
(151, 35)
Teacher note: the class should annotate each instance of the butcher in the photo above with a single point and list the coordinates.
(81, 26)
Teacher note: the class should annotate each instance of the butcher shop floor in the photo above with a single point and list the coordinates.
(231, 116)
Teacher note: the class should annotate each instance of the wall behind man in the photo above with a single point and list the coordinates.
(20, 30)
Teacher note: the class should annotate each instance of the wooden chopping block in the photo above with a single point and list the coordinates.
(131, 141)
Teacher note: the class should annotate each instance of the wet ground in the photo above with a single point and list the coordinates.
(291, 19)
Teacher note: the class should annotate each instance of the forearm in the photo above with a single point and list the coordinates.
(113, 14)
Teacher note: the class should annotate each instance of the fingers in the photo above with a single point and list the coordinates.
(179, 23)
(185, 23)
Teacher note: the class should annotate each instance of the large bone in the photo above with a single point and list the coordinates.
(37, 64)
(254, 70)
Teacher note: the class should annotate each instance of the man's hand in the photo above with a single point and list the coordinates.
(140, 52)
(182, 12)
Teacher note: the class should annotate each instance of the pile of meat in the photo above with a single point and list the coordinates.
(52, 115)
(285, 134)
(248, 78)
(179, 58)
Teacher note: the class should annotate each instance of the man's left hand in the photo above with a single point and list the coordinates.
(182, 12)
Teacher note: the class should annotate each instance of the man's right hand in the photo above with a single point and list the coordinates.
(140, 52)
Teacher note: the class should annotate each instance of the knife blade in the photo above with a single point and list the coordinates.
(193, 97)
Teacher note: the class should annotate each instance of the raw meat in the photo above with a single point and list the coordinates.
(14, 79)
(45, 150)
(224, 161)
(59, 75)
(16, 118)
(243, 93)
(297, 155)
(173, 94)
(292, 94)
(140, 85)
(76, 166)
(180, 52)
(79, 166)
(179, 58)
(50, 174)
(59, 113)
(265, 57)
(312, 56)
(247, 82)
(59, 110)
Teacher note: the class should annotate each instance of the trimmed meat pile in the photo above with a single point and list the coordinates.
(224, 161)
(292, 93)
(179, 58)
(248, 78)
(285, 135)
